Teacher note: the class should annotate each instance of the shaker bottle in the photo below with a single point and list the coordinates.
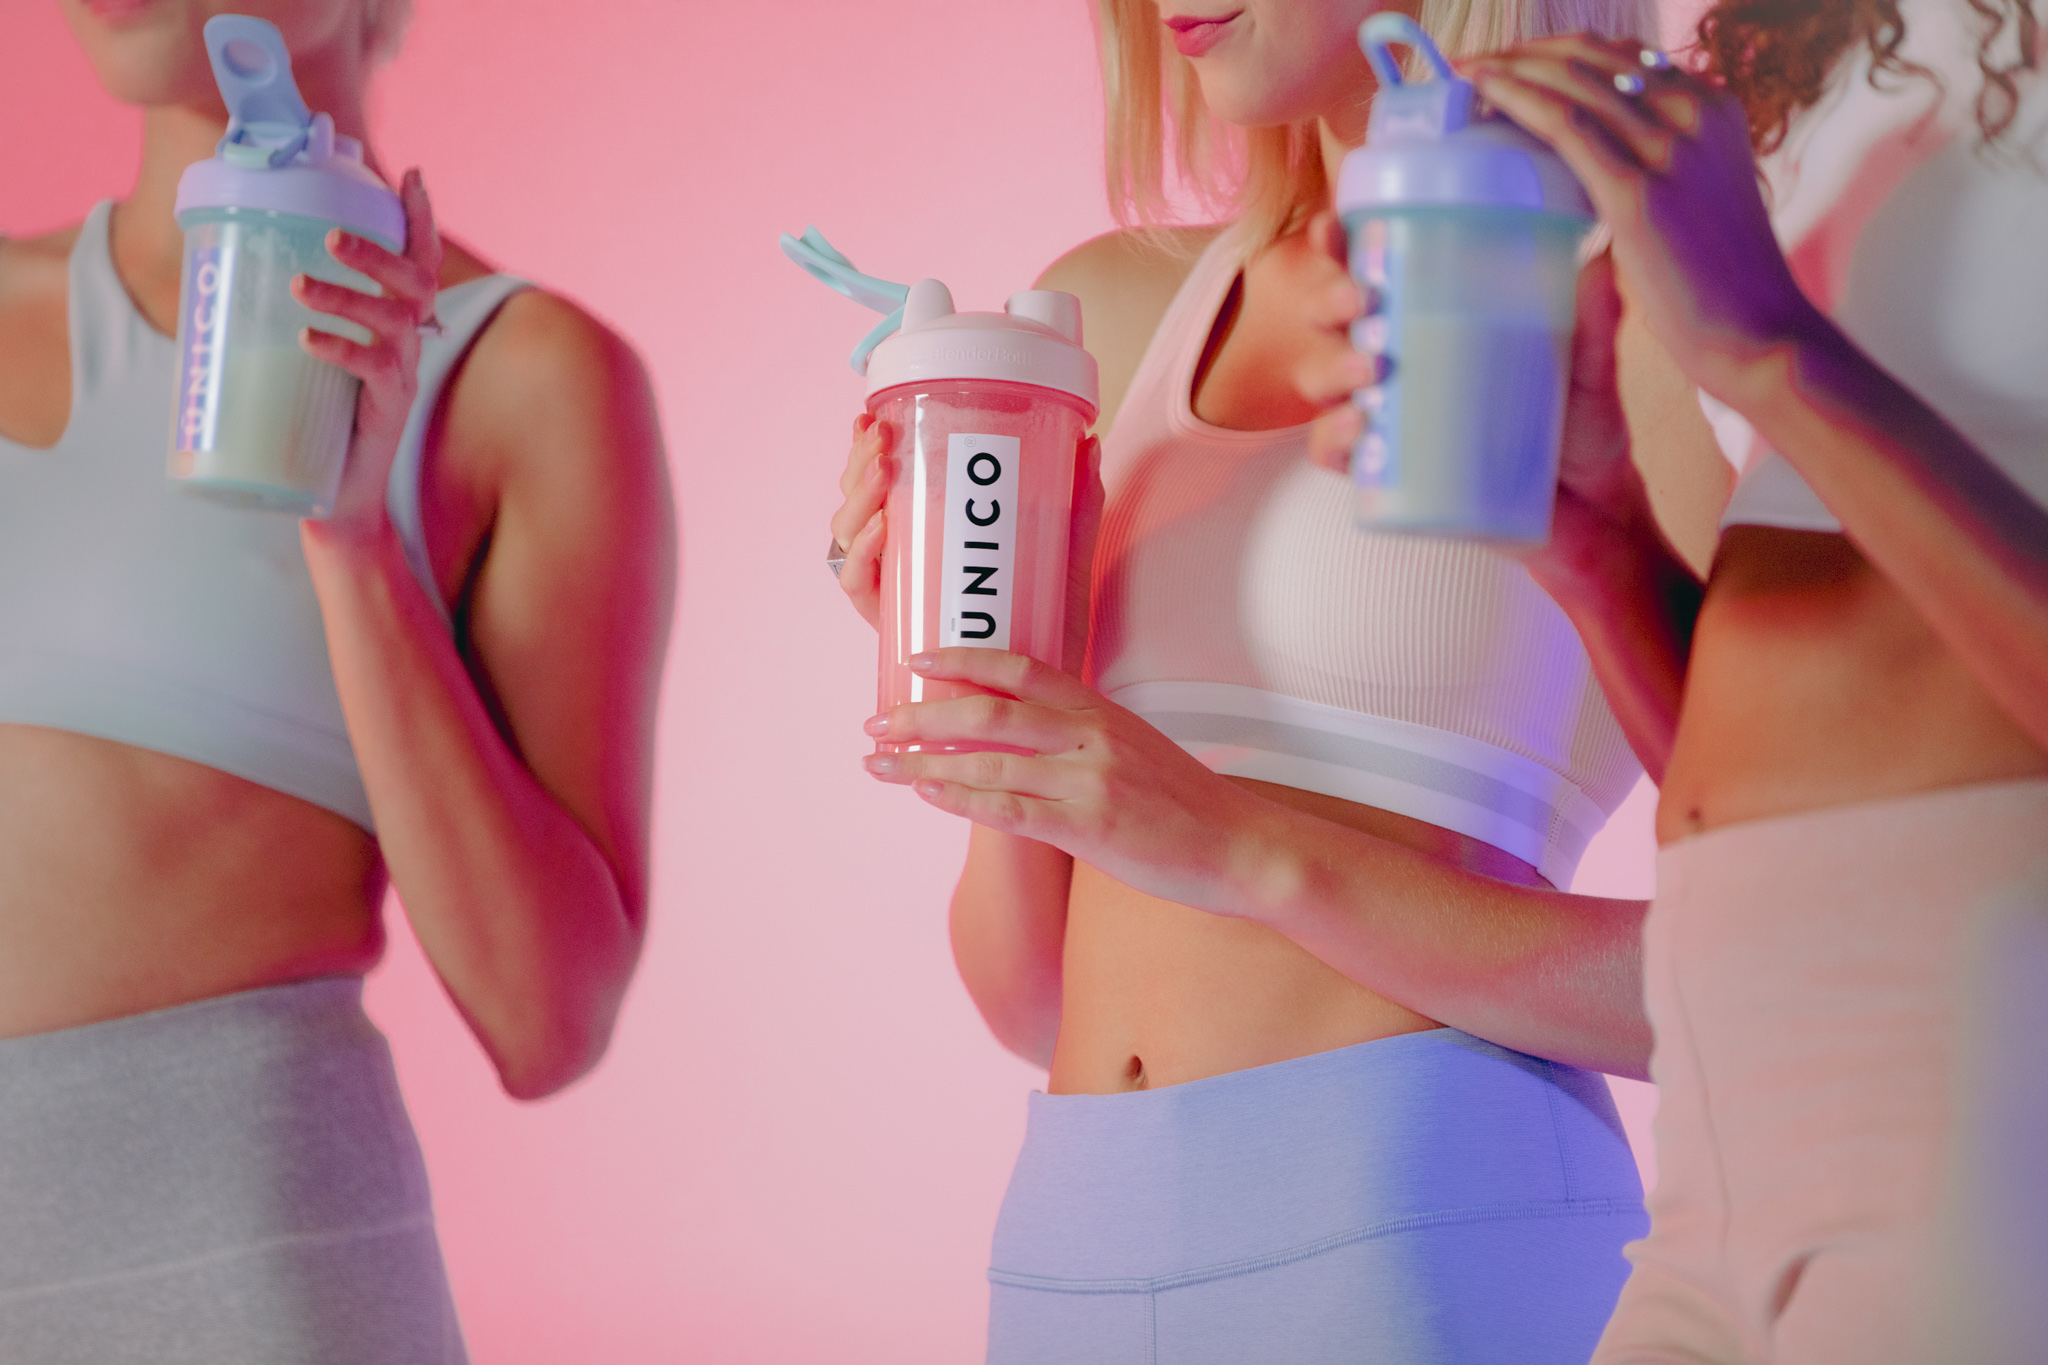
(256, 421)
(1468, 232)
(989, 411)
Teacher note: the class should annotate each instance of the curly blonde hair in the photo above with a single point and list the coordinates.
(1272, 178)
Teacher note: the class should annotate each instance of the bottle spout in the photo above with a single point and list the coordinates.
(1405, 110)
(269, 124)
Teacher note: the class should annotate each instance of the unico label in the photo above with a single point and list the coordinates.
(203, 350)
(976, 586)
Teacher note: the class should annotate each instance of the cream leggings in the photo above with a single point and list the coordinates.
(1851, 1010)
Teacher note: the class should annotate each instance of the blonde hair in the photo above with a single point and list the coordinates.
(1272, 178)
(384, 25)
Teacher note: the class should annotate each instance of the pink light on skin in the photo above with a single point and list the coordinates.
(1195, 34)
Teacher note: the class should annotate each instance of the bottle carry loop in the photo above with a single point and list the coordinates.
(827, 263)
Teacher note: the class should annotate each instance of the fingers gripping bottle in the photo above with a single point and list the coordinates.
(989, 411)
(257, 421)
(1466, 232)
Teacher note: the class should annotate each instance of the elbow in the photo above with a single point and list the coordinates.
(535, 1070)
(551, 1050)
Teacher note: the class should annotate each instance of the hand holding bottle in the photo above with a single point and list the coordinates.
(388, 365)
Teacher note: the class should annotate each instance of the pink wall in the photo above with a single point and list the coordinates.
(796, 1148)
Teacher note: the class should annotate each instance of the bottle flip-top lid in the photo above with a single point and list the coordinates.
(278, 154)
(1423, 148)
(1036, 339)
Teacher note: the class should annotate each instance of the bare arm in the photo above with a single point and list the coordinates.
(1537, 970)
(510, 769)
(1673, 174)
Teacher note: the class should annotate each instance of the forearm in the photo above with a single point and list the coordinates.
(1960, 540)
(1634, 603)
(1540, 971)
(520, 912)
(1009, 918)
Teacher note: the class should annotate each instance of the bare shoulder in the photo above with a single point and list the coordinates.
(35, 359)
(32, 268)
(1125, 281)
(550, 393)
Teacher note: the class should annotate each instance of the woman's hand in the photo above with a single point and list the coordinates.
(861, 529)
(1600, 493)
(1099, 783)
(1631, 598)
(860, 526)
(389, 364)
(1670, 171)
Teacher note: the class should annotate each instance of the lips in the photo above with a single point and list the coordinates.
(1194, 35)
(116, 11)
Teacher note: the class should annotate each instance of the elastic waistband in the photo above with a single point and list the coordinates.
(1982, 833)
(1420, 1127)
(203, 1034)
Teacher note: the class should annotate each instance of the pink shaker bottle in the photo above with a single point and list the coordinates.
(989, 410)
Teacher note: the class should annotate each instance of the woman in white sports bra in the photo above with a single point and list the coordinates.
(1278, 902)
(223, 733)
(1847, 958)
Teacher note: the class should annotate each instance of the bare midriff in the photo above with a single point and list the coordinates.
(1815, 684)
(1156, 993)
(135, 881)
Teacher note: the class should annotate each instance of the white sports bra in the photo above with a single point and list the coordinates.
(1928, 249)
(1239, 610)
(138, 614)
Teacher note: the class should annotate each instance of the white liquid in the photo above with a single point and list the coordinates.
(281, 435)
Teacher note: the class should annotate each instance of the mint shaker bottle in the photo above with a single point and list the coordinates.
(989, 411)
(256, 421)
(1468, 233)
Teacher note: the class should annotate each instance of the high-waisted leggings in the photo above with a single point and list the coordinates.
(230, 1182)
(1851, 1012)
(1429, 1199)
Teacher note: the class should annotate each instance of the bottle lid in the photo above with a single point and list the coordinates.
(1423, 148)
(278, 154)
(1036, 339)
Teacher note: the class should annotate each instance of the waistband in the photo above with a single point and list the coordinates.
(1982, 834)
(1415, 1129)
(260, 1118)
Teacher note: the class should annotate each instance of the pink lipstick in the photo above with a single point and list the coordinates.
(1194, 35)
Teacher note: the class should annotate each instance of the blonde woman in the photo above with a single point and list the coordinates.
(1277, 898)
(223, 732)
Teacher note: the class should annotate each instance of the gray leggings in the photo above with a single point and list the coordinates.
(232, 1182)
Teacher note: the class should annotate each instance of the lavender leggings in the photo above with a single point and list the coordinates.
(1429, 1199)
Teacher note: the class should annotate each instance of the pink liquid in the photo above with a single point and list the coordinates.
(1048, 427)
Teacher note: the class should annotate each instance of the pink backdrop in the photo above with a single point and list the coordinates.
(796, 1148)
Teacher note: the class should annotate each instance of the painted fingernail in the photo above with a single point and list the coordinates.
(877, 725)
(921, 663)
(881, 765)
(1629, 83)
(1654, 59)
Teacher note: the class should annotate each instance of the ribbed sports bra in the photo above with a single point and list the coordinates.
(146, 616)
(1240, 610)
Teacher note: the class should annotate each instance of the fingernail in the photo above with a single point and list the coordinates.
(872, 522)
(877, 725)
(928, 789)
(881, 765)
(922, 663)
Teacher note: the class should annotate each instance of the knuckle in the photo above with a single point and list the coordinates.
(987, 769)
